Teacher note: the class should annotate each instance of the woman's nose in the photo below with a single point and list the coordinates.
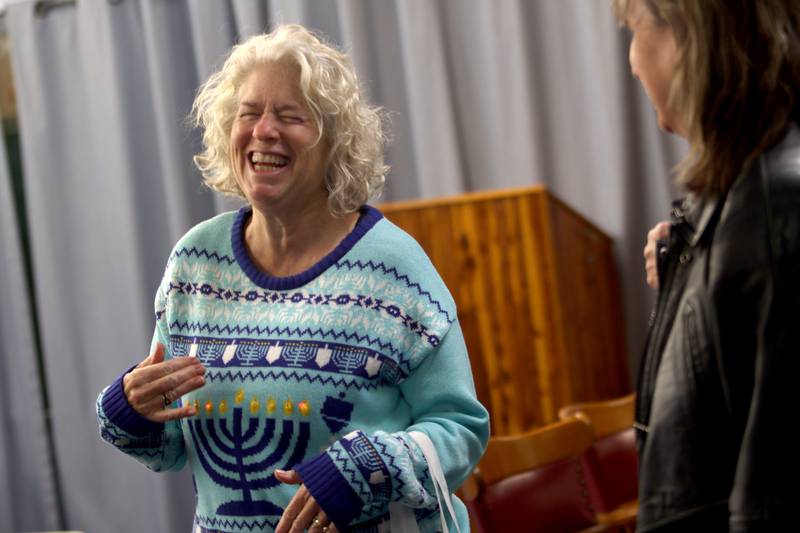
(266, 128)
(633, 60)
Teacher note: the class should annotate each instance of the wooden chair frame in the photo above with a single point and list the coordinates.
(606, 417)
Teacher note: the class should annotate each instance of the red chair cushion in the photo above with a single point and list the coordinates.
(613, 470)
(553, 498)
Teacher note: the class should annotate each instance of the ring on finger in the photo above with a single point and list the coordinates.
(165, 397)
(318, 523)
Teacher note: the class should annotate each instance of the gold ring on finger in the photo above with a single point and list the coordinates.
(166, 399)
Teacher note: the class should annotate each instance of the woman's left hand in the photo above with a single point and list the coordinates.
(657, 233)
(303, 512)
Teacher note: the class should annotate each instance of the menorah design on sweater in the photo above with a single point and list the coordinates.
(248, 437)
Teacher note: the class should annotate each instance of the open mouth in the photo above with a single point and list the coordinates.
(268, 162)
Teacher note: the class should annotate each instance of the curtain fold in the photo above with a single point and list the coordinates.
(100, 229)
(482, 94)
(27, 480)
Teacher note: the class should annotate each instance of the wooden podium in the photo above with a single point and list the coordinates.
(538, 299)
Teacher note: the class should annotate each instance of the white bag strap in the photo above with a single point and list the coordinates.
(401, 517)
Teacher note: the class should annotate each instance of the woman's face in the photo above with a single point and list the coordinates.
(653, 56)
(279, 164)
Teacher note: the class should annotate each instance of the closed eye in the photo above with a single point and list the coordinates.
(292, 119)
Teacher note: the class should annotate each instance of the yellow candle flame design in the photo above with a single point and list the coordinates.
(223, 407)
(288, 407)
(271, 405)
(239, 398)
(254, 405)
(304, 407)
(209, 406)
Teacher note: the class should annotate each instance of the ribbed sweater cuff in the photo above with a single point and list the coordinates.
(330, 489)
(125, 417)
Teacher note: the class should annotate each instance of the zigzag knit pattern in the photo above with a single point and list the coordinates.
(305, 373)
(202, 253)
(339, 300)
(342, 461)
(299, 377)
(232, 525)
(397, 276)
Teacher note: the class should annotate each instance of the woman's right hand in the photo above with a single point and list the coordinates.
(659, 232)
(154, 384)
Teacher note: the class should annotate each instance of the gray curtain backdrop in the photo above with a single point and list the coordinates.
(26, 473)
(483, 94)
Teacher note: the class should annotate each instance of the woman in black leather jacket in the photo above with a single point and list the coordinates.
(716, 391)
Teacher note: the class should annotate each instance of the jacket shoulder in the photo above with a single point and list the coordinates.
(782, 162)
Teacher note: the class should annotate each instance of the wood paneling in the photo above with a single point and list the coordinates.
(538, 299)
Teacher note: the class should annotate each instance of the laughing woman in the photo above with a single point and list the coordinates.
(716, 385)
(305, 349)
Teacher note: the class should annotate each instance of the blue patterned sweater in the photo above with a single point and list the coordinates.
(325, 372)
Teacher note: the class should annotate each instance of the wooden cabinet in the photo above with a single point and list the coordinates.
(538, 299)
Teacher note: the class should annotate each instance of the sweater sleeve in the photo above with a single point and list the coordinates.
(362, 470)
(159, 446)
